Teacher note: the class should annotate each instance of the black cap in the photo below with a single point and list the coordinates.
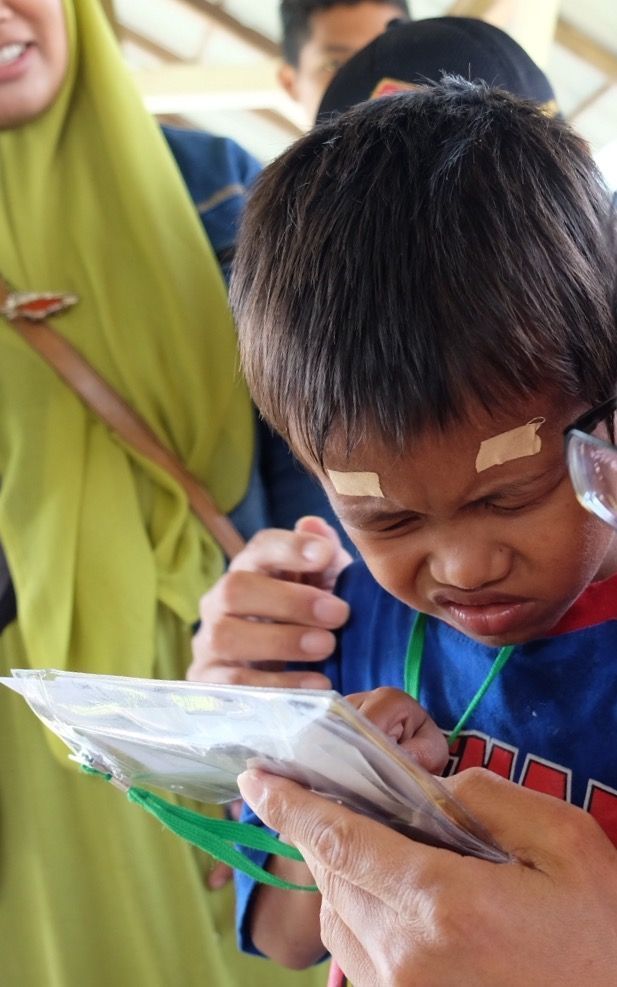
(413, 54)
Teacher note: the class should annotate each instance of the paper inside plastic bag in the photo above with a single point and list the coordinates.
(195, 740)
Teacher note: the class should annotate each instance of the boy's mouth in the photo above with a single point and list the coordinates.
(486, 615)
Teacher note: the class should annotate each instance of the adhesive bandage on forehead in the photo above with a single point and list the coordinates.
(362, 484)
(514, 444)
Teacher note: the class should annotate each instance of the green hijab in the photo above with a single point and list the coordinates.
(97, 539)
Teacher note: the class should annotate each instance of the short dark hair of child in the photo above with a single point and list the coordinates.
(296, 20)
(419, 253)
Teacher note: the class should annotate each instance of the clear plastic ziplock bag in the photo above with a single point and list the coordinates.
(194, 740)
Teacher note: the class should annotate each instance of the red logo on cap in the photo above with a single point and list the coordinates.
(388, 87)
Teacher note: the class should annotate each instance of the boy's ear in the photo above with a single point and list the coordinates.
(287, 78)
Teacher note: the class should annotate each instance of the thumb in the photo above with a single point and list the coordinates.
(334, 839)
(340, 556)
(313, 525)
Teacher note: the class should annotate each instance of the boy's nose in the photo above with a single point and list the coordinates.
(470, 566)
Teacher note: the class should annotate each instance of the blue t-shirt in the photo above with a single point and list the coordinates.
(546, 722)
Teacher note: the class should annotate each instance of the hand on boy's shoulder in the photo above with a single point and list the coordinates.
(406, 722)
(272, 606)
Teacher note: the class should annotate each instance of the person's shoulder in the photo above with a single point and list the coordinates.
(210, 163)
(217, 173)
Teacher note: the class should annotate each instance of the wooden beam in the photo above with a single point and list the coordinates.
(215, 13)
(530, 23)
(523, 18)
(586, 48)
(280, 120)
(590, 100)
(470, 8)
(151, 47)
(185, 88)
(269, 116)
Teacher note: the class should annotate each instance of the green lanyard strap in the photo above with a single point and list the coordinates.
(218, 837)
(413, 668)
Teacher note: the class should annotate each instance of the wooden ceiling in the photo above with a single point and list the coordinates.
(214, 64)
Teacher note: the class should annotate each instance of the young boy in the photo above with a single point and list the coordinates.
(318, 36)
(425, 295)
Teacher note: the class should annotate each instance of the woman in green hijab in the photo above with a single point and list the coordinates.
(107, 560)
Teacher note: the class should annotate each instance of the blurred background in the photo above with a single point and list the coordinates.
(213, 65)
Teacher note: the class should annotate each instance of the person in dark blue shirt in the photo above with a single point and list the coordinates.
(218, 174)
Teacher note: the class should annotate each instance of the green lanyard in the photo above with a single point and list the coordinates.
(217, 837)
(413, 667)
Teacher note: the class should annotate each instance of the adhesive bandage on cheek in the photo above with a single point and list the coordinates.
(355, 484)
(515, 444)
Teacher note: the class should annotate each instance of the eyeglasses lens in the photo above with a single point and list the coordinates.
(593, 468)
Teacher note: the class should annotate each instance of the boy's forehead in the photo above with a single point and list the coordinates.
(482, 444)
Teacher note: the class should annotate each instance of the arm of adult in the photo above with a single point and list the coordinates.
(397, 913)
(274, 605)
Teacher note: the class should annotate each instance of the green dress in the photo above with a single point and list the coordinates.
(107, 560)
(92, 890)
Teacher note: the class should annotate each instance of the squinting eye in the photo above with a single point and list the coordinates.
(401, 524)
(393, 526)
(502, 509)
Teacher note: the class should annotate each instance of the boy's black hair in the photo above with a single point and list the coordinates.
(417, 254)
(296, 20)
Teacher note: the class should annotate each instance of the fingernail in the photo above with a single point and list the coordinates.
(251, 788)
(331, 610)
(314, 682)
(316, 642)
(316, 551)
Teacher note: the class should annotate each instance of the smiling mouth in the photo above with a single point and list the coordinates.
(11, 53)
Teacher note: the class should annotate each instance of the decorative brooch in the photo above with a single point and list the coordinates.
(36, 307)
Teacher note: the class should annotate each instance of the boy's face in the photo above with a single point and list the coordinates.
(33, 58)
(500, 554)
(336, 34)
